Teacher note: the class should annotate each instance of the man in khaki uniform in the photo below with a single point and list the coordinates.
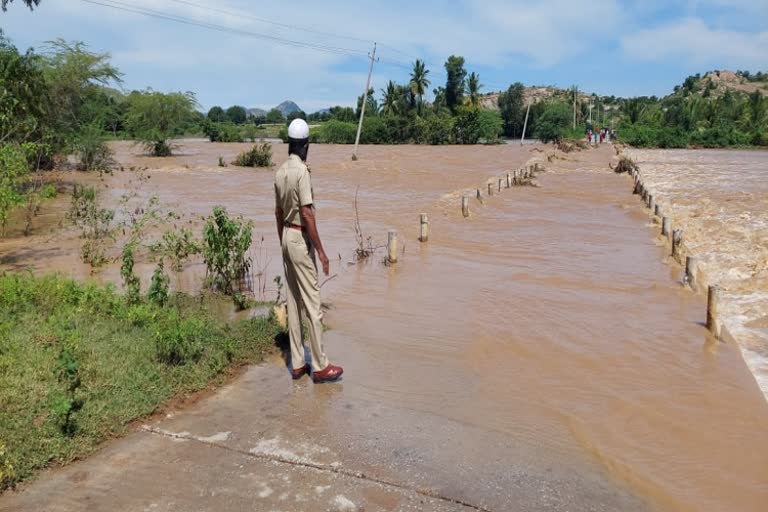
(295, 216)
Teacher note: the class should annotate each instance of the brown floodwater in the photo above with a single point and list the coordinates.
(720, 200)
(547, 325)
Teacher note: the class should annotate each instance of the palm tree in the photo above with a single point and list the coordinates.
(30, 3)
(389, 98)
(419, 81)
(473, 88)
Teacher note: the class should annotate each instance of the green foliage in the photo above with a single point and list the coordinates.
(48, 191)
(554, 123)
(67, 403)
(23, 94)
(39, 155)
(154, 118)
(257, 156)
(176, 247)
(473, 89)
(511, 105)
(56, 331)
(490, 126)
(131, 281)
(159, 286)
(467, 128)
(419, 83)
(250, 132)
(295, 115)
(217, 115)
(274, 116)
(94, 222)
(29, 3)
(225, 249)
(92, 150)
(455, 83)
(337, 132)
(13, 169)
(222, 132)
(237, 114)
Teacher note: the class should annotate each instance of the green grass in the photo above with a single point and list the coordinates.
(78, 364)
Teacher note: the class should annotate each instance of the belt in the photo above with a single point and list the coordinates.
(295, 226)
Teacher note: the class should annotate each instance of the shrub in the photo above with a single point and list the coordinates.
(222, 132)
(39, 155)
(131, 281)
(258, 156)
(159, 286)
(467, 127)
(177, 247)
(92, 150)
(13, 168)
(154, 118)
(337, 132)
(490, 127)
(180, 341)
(94, 222)
(553, 124)
(225, 247)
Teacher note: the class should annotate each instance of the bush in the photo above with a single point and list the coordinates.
(257, 156)
(337, 132)
(180, 341)
(154, 118)
(491, 126)
(13, 169)
(39, 155)
(554, 123)
(92, 150)
(159, 286)
(467, 128)
(225, 247)
(222, 132)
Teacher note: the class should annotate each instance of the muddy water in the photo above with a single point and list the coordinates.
(543, 338)
(720, 200)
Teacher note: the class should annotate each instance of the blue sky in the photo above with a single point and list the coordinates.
(616, 47)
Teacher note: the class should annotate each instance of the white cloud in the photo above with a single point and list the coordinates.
(692, 40)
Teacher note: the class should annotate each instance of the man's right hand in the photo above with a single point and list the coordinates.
(325, 263)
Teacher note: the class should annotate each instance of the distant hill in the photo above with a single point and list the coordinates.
(288, 107)
(716, 83)
(256, 112)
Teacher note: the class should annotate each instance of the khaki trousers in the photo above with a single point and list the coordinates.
(303, 299)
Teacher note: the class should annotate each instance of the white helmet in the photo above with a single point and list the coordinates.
(298, 130)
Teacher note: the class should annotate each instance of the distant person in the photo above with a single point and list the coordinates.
(297, 230)
(613, 134)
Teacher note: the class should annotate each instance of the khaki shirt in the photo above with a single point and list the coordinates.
(293, 189)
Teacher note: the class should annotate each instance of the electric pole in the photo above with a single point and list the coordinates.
(525, 124)
(371, 56)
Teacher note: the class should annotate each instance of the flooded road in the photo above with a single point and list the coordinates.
(542, 344)
(720, 200)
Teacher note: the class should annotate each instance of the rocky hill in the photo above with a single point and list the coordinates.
(716, 83)
(285, 108)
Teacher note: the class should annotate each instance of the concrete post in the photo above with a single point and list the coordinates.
(465, 206)
(392, 246)
(490, 189)
(665, 226)
(713, 299)
(690, 272)
(677, 239)
(423, 228)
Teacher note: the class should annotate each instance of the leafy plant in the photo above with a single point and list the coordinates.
(159, 286)
(258, 156)
(625, 164)
(92, 150)
(13, 168)
(553, 123)
(177, 247)
(131, 281)
(154, 118)
(222, 163)
(181, 341)
(65, 405)
(6, 468)
(94, 222)
(225, 247)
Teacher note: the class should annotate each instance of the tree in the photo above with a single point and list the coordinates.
(553, 123)
(237, 114)
(389, 101)
(511, 105)
(473, 88)
(217, 115)
(371, 106)
(454, 84)
(419, 81)
(29, 3)
(298, 114)
(274, 116)
(23, 94)
(154, 118)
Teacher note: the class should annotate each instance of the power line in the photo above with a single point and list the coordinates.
(290, 26)
(114, 4)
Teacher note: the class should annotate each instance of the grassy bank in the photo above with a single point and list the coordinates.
(78, 364)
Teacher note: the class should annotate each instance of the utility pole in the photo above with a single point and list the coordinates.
(371, 56)
(525, 124)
